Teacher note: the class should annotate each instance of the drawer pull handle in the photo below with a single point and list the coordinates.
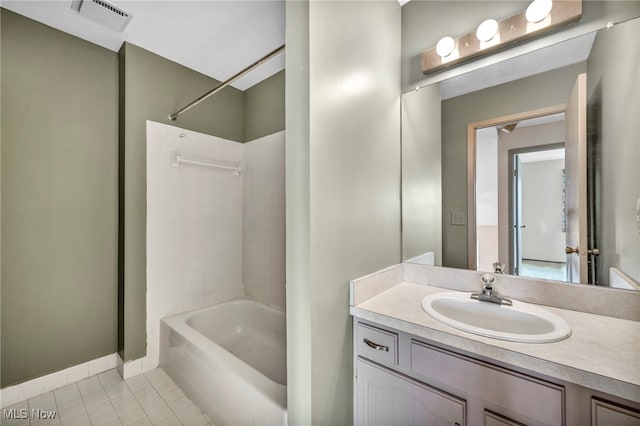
(376, 346)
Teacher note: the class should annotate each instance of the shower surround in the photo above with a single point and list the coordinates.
(212, 236)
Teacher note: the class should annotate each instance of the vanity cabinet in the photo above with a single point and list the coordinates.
(401, 379)
(604, 413)
(386, 397)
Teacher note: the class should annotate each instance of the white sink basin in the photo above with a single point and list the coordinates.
(521, 322)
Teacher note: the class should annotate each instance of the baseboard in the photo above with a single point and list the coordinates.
(26, 390)
(138, 366)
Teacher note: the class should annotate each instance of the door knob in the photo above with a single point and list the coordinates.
(576, 250)
(570, 250)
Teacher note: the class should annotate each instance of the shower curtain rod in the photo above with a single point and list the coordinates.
(224, 84)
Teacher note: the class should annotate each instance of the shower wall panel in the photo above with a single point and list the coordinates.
(194, 226)
(264, 220)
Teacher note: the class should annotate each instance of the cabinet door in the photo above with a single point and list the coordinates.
(606, 414)
(493, 419)
(387, 398)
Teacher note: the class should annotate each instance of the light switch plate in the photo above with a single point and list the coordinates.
(458, 217)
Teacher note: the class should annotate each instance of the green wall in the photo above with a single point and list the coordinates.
(613, 89)
(542, 90)
(59, 199)
(73, 280)
(343, 188)
(264, 107)
(154, 87)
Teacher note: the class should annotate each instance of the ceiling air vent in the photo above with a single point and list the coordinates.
(103, 13)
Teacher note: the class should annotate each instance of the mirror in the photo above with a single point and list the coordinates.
(461, 205)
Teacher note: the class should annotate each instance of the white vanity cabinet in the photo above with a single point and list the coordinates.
(386, 397)
(401, 379)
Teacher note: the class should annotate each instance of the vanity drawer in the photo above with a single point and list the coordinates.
(523, 398)
(606, 413)
(377, 344)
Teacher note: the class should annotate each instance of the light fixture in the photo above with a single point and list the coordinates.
(491, 35)
(538, 10)
(487, 30)
(508, 128)
(445, 46)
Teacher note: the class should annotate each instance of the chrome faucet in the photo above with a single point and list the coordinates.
(489, 294)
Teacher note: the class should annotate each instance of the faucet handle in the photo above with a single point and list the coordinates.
(488, 280)
(498, 267)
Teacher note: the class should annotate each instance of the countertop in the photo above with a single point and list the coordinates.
(602, 353)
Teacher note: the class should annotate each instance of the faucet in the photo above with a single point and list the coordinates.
(498, 267)
(489, 294)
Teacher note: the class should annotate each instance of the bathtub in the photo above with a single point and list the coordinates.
(230, 359)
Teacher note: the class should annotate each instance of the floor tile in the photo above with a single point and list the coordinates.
(188, 412)
(153, 405)
(109, 379)
(80, 418)
(136, 382)
(89, 385)
(124, 407)
(159, 414)
(171, 420)
(151, 398)
(72, 409)
(179, 404)
(198, 420)
(106, 418)
(173, 395)
(166, 387)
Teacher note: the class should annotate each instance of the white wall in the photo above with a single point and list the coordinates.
(343, 187)
(487, 198)
(543, 238)
(194, 226)
(487, 177)
(264, 220)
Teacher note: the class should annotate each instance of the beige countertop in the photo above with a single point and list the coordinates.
(602, 353)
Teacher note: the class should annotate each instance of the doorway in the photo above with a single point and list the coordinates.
(572, 133)
(538, 220)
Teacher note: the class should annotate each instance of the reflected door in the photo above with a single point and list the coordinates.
(517, 215)
(576, 182)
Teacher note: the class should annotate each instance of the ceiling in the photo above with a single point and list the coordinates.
(217, 38)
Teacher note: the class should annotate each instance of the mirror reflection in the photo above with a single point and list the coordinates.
(538, 175)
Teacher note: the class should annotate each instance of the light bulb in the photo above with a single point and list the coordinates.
(445, 46)
(538, 10)
(487, 30)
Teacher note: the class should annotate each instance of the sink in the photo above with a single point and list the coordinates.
(521, 322)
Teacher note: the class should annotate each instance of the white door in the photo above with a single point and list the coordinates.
(576, 181)
(517, 215)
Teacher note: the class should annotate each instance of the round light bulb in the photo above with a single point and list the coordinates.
(538, 10)
(487, 30)
(445, 46)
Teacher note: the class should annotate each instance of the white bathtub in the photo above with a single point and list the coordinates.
(230, 359)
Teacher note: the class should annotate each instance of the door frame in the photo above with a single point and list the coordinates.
(471, 167)
(512, 202)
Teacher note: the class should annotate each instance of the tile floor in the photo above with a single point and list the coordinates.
(106, 400)
(545, 270)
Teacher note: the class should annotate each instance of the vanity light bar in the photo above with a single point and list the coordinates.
(510, 30)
